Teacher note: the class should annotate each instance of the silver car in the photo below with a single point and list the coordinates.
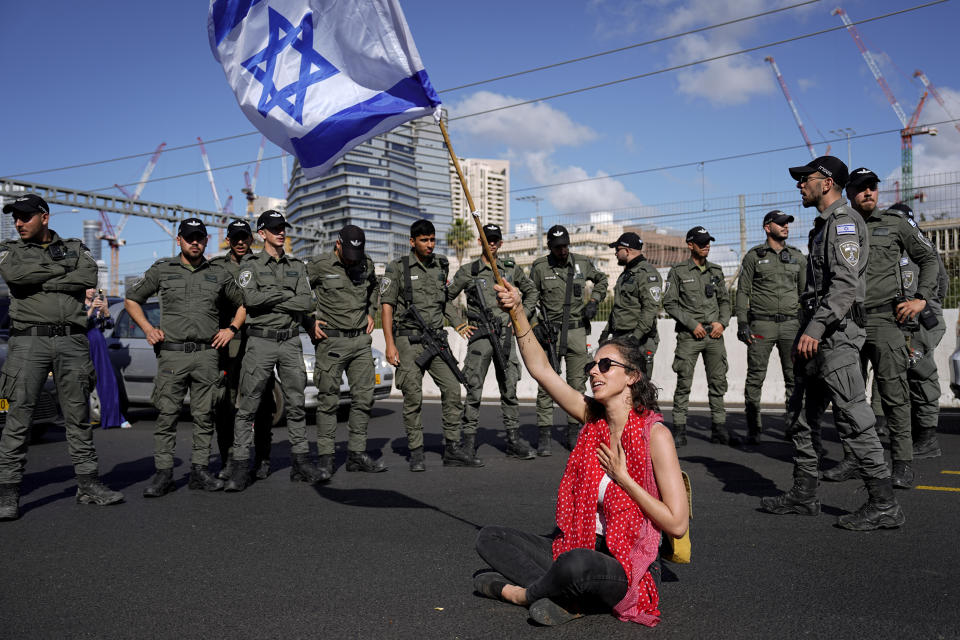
(135, 361)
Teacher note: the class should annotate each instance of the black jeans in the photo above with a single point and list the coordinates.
(585, 577)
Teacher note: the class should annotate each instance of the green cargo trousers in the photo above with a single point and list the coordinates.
(834, 375)
(225, 415)
(475, 366)
(176, 372)
(715, 365)
(29, 360)
(767, 334)
(923, 380)
(886, 350)
(576, 358)
(335, 355)
(263, 354)
(410, 384)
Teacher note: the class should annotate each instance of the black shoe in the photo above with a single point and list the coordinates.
(753, 436)
(261, 469)
(416, 460)
(455, 456)
(161, 484)
(881, 511)
(902, 475)
(543, 444)
(846, 469)
(325, 464)
(801, 499)
(573, 432)
(361, 461)
(720, 434)
(201, 479)
(224, 473)
(517, 447)
(926, 446)
(91, 491)
(239, 476)
(490, 584)
(470, 447)
(302, 469)
(679, 435)
(9, 501)
(547, 612)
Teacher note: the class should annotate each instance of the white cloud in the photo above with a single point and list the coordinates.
(725, 82)
(531, 127)
(596, 195)
(629, 143)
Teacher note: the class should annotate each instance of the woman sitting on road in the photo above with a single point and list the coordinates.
(621, 488)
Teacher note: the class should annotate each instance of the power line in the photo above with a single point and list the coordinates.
(628, 47)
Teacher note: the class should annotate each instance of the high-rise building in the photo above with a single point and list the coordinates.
(382, 186)
(489, 184)
(91, 238)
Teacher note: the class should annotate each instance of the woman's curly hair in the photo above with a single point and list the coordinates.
(643, 392)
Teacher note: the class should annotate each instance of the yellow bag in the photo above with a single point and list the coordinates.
(677, 550)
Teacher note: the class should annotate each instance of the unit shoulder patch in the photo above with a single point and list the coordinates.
(850, 252)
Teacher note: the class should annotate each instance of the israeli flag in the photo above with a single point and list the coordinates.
(318, 77)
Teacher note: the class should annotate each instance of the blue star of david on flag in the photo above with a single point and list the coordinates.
(317, 77)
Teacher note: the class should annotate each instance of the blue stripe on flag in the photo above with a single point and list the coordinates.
(328, 138)
(226, 14)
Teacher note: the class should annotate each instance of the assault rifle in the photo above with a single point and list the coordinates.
(546, 334)
(489, 325)
(434, 343)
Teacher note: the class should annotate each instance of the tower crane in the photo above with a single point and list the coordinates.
(226, 210)
(908, 131)
(793, 107)
(251, 185)
(936, 94)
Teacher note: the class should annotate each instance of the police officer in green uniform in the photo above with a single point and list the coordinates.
(696, 297)
(772, 277)
(478, 275)
(827, 354)
(240, 239)
(419, 279)
(636, 298)
(192, 291)
(560, 278)
(48, 279)
(276, 295)
(344, 284)
(887, 307)
(923, 337)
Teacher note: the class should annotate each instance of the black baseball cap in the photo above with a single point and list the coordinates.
(699, 236)
(492, 232)
(271, 219)
(628, 239)
(352, 241)
(239, 228)
(28, 203)
(860, 178)
(557, 236)
(192, 227)
(829, 166)
(777, 217)
(903, 209)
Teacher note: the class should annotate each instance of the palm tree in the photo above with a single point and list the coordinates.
(459, 237)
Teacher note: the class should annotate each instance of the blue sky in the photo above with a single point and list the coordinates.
(98, 80)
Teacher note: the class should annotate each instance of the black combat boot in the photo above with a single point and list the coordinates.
(239, 476)
(543, 444)
(416, 459)
(679, 435)
(902, 475)
(470, 447)
(801, 499)
(302, 469)
(926, 445)
(754, 425)
(846, 469)
(517, 447)
(161, 484)
(325, 464)
(224, 473)
(361, 461)
(720, 434)
(573, 432)
(91, 491)
(881, 511)
(201, 479)
(9, 501)
(261, 468)
(455, 456)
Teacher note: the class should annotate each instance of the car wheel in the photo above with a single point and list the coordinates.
(94, 404)
(278, 406)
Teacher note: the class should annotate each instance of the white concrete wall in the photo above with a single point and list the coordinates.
(666, 379)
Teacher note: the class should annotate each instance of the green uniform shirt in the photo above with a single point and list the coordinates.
(636, 298)
(344, 294)
(44, 289)
(464, 279)
(190, 298)
(429, 284)
(550, 278)
(276, 292)
(227, 311)
(892, 235)
(770, 282)
(686, 299)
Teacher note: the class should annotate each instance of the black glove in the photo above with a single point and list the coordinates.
(590, 310)
(743, 334)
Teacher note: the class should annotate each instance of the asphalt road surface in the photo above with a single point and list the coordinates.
(391, 555)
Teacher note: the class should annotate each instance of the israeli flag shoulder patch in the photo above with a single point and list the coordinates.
(846, 228)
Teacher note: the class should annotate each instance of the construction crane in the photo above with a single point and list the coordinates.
(908, 131)
(251, 185)
(936, 94)
(793, 107)
(226, 210)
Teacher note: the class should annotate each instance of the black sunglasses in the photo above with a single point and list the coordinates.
(604, 364)
(25, 216)
(810, 176)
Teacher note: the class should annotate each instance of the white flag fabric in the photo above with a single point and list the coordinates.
(318, 77)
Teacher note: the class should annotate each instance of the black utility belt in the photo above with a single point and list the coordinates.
(343, 333)
(890, 307)
(777, 317)
(186, 347)
(273, 334)
(571, 324)
(620, 332)
(49, 330)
